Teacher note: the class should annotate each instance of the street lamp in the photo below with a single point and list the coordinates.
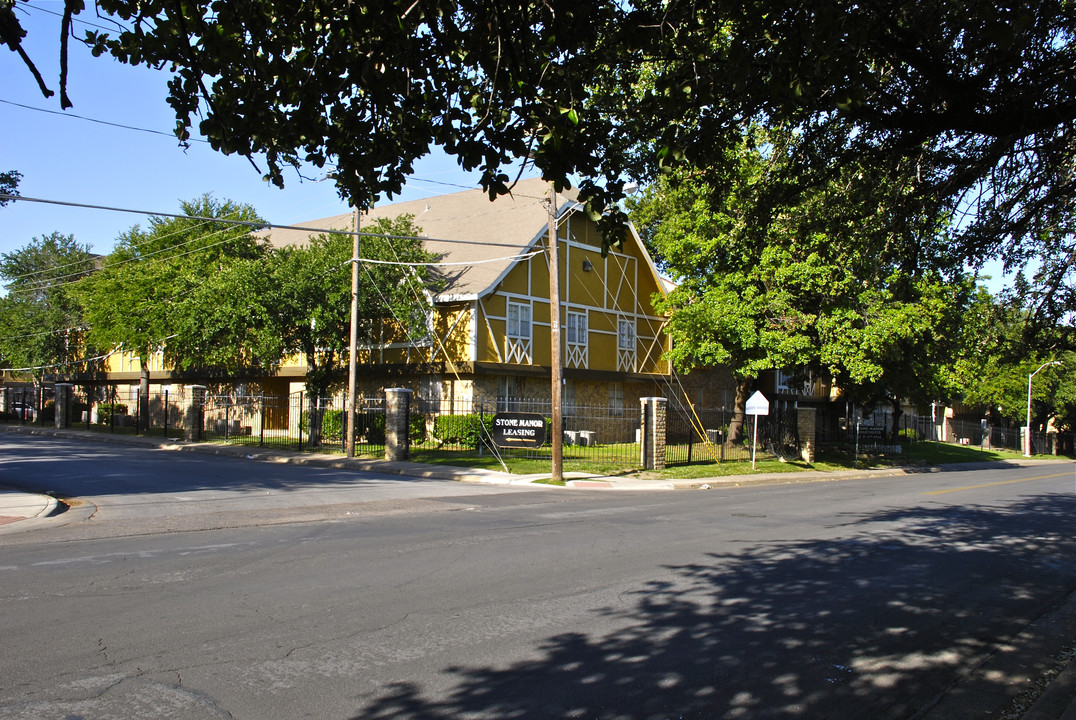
(1027, 440)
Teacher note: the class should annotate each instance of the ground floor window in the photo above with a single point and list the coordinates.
(508, 393)
(568, 398)
(616, 398)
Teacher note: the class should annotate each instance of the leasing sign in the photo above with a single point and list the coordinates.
(512, 429)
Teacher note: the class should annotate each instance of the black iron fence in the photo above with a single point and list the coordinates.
(292, 422)
(462, 428)
(884, 431)
(596, 434)
(711, 434)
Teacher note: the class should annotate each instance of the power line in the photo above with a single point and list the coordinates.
(202, 140)
(56, 281)
(101, 122)
(169, 253)
(468, 263)
(263, 225)
(61, 365)
(38, 8)
(135, 128)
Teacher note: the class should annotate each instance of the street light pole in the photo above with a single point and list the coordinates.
(1027, 439)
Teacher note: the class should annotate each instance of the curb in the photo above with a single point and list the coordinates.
(579, 481)
(1024, 665)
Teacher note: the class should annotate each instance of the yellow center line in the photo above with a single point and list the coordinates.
(1002, 482)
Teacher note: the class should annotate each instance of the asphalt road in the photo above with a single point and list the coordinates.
(192, 587)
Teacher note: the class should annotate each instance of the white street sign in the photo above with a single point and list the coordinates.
(757, 404)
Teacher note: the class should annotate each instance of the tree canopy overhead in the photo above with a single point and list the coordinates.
(973, 101)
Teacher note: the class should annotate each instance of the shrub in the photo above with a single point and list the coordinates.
(418, 429)
(332, 424)
(370, 427)
(105, 411)
(464, 430)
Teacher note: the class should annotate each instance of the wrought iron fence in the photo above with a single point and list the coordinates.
(884, 431)
(29, 405)
(117, 409)
(462, 428)
(696, 435)
(294, 422)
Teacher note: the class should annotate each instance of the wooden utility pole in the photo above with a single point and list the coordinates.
(554, 340)
(352, 361)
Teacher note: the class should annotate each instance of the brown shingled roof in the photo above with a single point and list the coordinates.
(463, 227)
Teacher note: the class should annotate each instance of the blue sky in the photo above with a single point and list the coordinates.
(65, 158)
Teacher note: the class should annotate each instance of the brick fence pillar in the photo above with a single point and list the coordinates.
(62, 404)
(192, 418)
(807, 428)
(652, 432)
(397, 423)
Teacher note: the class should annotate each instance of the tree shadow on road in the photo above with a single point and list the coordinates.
(874, 622)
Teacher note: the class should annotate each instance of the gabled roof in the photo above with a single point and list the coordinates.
(463, 227)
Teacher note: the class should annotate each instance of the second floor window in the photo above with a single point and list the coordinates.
(626, 335)
(576, 331)
(519, 321)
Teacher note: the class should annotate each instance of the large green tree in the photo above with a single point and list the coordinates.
(43, 330)
(802, 285)
(296, 301)
(991, 374)
(137, 301)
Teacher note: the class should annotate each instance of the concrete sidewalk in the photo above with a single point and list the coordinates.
(18, 505)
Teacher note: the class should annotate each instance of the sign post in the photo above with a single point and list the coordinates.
(757, 405)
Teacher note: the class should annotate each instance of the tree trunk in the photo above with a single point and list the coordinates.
(897, 414)
(743, 389)
(143, 397)
(314, 391)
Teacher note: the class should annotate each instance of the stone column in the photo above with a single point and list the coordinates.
(192, 419)
(62, 404)
(397, 423)
(807, 428)
(652, 432)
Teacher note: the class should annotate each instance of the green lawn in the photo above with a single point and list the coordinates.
(622, 460)
(914, 454)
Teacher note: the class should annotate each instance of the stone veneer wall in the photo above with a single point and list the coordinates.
(652, 418)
